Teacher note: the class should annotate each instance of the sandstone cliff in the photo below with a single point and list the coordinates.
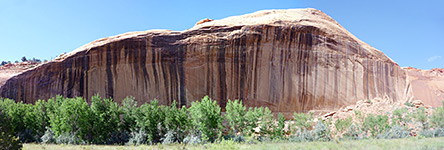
(288, 60)
(426, 85)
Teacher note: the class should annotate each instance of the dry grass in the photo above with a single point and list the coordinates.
(370, 144)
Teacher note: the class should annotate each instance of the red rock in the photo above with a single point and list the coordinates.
(288, 60)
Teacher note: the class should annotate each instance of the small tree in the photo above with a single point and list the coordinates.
(235, 116)
(24, 59)
(206, 118)
(7, 138)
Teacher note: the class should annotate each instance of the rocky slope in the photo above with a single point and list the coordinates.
(427, 85)
(289, 60)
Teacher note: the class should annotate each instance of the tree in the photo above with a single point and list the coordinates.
(3, 63)
(24, 59)
(7, 138)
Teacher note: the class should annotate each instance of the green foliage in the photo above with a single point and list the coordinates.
(437, 118)
(303, 121)
(321, 132)
(375, 124)
(177, 121)
(342, 124)
(151, 117)
(137, 138)
(206, 118)
(7, 138)
(72, 118)
(399, 117)
(259, 117)
(129, 114)
(409, 104)
(235, 116)
(420, 116)
(48, 137)
(279, 130)
(354, 132)
(395, 132)
(106, 118)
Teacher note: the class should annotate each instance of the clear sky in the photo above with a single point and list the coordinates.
(409, 32)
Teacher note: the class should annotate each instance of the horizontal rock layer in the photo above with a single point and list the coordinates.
(287, 66)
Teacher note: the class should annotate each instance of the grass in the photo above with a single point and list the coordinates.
(370, 144)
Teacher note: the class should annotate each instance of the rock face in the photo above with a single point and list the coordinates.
(288, 60)
(427, 85)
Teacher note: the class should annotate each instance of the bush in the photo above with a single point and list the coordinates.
(342, 124)
(150, 119)
(137, 138)
(72, 118)
(178, 121)
(278, 131)
(68, 138)
(437, 118)
(7, 138)
(206, 118)
(375, 124)
(168, 138)
(354, 132)
(321, 132)
(192, 139)
(420, 116)
(395, 132)
(301, 136)
(129, 114)
(430, 133)
(106, 119)
(398, 116)
(235, 116)
(303, 121)
(48, 137)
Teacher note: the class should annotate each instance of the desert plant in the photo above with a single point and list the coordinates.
(431, 133)
(192, 139)
(106, 119)
(279, 130)
(8, 140)
(68, 138)
(48, 137)
(235, 116)
(420, 116)
(342, 124)
(437, 118)
(399, 117)
(321, 132)
(395, 132)
(303, 121)
(353, 132)
(206, 118)
(301, 136)
(375, 124)
(137, 138)
(168, 138)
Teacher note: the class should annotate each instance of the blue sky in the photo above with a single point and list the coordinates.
(409, 32)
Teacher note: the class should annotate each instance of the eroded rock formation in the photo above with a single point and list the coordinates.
(427, 85)
(288, 60)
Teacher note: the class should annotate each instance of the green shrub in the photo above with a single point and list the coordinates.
(259, 117)
(68, 138)
(395, 132)
(437, 118)
(354, 132)
(420, 116)
(137, 138)
(279, 130)
(150, 119)
(178, 121)
(431, 133)
(106, 119)
(168, 138)
(129, 114)
(72, 118)
(301, 136)
(321, 132)
(342, 124)
(48, 137)
(235, 116)
(8, 140)
(375, 124)
(399, 117)
(206, 118)
(303, 121)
